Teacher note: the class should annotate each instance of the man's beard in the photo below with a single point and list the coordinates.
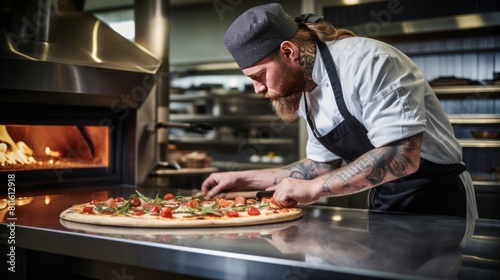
(286, 99)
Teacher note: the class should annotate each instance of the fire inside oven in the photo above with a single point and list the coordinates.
(42, 147)
(49, 146)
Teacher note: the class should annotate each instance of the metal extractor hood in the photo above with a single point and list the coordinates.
(72, 56)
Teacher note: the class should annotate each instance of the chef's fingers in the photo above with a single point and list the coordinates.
(273, 188)
(283, 200)
(221, 195)
(216, 183)
(214, 190)
(209, 183)
(288, 203)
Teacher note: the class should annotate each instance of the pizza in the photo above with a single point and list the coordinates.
(171, 211)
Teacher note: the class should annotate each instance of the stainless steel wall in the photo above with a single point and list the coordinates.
(152, 32)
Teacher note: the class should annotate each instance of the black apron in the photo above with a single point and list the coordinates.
(433, 189)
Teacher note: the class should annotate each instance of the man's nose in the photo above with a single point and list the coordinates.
(259, 88)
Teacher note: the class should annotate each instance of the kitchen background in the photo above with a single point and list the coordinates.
(458, 49)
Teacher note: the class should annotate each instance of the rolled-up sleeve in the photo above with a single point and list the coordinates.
(392, 98)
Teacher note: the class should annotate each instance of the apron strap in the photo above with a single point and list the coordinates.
(333, 75)
(310, 121)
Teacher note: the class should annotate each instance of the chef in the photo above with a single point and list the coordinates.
(373, 122)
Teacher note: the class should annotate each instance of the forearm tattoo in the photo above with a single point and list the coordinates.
(375, 165)
(309, 169)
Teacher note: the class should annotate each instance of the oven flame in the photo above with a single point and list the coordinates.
(11, 152)
(52, 153)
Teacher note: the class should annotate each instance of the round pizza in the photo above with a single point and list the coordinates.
(171, 211)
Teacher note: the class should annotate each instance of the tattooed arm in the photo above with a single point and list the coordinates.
(374, 168)
(264, 178)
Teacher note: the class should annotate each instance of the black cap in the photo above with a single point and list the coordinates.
(258, 32)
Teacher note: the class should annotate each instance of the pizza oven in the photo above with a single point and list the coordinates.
(74, 99)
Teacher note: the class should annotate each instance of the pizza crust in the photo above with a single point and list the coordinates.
(144, 231)
(287, 214)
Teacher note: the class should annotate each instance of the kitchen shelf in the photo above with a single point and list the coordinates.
(226, 118)
(475, 143)
(480, 91)
(474, 118)
(211, 96)
(185, 171)
(245, 165)
(448, 52)
(236, 141)
(486, 183)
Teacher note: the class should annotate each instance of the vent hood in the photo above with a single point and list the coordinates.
(71, 56)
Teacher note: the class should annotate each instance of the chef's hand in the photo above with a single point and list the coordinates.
(290, 191)
(219, 182)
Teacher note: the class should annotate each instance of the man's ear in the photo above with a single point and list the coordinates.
(289, 51)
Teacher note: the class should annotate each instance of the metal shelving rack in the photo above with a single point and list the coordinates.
(241, 111)
(479, 92)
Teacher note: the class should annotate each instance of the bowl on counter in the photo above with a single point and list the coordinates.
(195, 159)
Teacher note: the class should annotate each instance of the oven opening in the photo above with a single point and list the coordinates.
(65, 147)
(42, 147)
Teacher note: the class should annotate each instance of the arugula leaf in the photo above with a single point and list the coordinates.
(124, 208)
(183, 198)
(157, 201)
(143, 197)
(202, 210)
(208, 211)
(99, 207)
(201, 197)
(237, 208)
(195, 196)
(262, 206)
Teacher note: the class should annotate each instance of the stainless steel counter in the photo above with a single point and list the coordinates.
(326, 242)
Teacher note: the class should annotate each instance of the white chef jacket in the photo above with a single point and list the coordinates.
(386, 92)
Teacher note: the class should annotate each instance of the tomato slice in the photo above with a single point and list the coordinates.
(224, 202)
(135, 201)
(155, 210)
(108, 211)
(147, 205)
(119, 199)
(253, 211)
(94, 201)
(240, 200)
(232, 213)
(138, 212)
(167, 213)
(193, 204)
(168, 196)
(272, 200)
(88, 209)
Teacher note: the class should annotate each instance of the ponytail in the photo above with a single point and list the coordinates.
(323, 31)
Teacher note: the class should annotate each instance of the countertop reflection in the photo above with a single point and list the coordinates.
(325, 242)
